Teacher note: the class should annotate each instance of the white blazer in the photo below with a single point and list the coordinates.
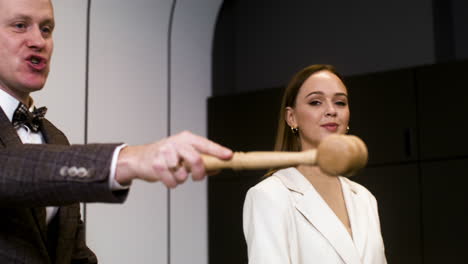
(286, 221)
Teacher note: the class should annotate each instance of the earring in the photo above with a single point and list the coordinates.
(295, 130)
(347, 129)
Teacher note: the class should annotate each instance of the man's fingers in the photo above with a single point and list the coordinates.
(173, 159)
(180, 174)
(205, 146)
(162, 172)
(192, 161)
(169, 151)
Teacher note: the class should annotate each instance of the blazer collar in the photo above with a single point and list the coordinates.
(312, 206)
(355, 197)
(52, 135)
(8, 135)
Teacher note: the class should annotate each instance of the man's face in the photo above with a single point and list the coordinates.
(25, 45)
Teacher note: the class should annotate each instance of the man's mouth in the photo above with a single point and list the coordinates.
(36, 62)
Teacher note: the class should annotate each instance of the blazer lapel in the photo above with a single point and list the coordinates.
(10, 138)
(8, 134)
(312, 206)
(358, 215)
(51, 134)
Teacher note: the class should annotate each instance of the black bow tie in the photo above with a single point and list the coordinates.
(22, 116)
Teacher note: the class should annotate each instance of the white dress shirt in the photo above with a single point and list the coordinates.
(9, 104)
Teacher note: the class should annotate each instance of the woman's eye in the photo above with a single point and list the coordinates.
(315, 102)
(341, 103)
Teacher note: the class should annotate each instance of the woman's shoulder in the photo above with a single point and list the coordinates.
(357, 188)
(271, 188)
(269, 185)
(269, 195)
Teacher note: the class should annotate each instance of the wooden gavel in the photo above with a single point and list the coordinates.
(335, 155)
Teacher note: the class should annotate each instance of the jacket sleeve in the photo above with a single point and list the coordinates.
(266, 227)
(53, 175)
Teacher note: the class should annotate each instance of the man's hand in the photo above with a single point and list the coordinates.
(169, 160)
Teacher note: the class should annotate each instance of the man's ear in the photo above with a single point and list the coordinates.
(290, 117)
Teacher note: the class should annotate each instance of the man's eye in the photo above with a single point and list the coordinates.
(20, 25)
(46, 30)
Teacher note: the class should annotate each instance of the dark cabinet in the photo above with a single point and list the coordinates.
(443, 109)
(397, 191)
(226, 200)
(246, 121)
(445, 211)
(383, 114)
(243, 122)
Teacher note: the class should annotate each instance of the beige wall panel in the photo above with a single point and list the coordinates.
(128, 103)
(64, 93)
(193, 30)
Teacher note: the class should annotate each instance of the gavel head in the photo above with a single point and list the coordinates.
(341, 155)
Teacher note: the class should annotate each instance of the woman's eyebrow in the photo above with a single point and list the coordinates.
(316, 92)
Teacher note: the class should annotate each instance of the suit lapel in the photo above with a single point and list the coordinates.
(8, 134)
(312, 206)
(66, 227)
(51, 134)
(10, 138)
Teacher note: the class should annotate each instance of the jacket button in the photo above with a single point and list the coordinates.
(63, 171)
(72, 171)
(82, 172)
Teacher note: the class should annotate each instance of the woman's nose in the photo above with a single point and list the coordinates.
(331, 110)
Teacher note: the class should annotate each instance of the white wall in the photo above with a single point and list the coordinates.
(128, 102)
(192, 39)
(64, 93)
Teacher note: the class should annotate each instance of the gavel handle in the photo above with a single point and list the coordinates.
(261, 160)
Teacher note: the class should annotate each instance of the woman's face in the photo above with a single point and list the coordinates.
(321, 109)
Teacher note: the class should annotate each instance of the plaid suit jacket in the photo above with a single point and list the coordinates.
(35, 176)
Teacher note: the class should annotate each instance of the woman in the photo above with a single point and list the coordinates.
(300, 215)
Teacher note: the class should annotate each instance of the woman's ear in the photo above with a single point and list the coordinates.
(290, 117)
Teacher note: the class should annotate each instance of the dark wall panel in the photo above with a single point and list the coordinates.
(226, 200)
(383, 114)
(445, 211)
(443, 107)
(243, 122)
(397, 191)
(271, 40)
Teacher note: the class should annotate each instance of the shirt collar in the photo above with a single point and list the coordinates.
(9, 104)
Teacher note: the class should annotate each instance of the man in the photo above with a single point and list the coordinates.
(42, 178)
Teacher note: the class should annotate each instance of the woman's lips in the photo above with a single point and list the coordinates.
(331, 127)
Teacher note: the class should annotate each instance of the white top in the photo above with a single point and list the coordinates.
(287, 221)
